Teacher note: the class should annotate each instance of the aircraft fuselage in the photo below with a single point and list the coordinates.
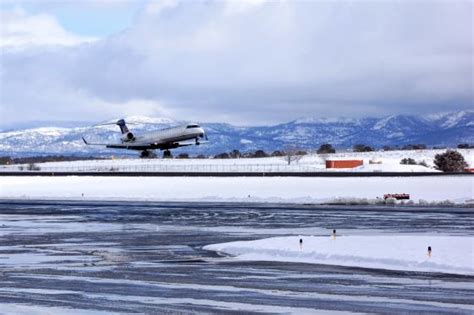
(170, 135)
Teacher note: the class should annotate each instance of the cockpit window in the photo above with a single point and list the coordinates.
(192, 126)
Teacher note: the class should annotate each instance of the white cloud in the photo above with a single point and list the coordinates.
(20, 30)
(49, 100)
(240, 6)
(156, 7)
(266, 61)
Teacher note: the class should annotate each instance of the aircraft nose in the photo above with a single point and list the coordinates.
(201, 132)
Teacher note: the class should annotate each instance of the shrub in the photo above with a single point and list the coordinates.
(6, 160)
(362, 148)
(326, 148)
(450, 161)
(278, 153)
(388, 148)
(260, 154)
(414, 147)
(224, 155)
(408, 161)
(423, 163)
(33, 167)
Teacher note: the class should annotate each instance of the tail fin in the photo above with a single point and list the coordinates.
(123, 126)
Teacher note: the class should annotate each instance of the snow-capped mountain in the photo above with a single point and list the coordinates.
(444, 129)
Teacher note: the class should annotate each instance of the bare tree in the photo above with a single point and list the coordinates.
(33, 167)
(292, 154)
(235, 154)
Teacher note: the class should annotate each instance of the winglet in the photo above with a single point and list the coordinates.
(85, 141)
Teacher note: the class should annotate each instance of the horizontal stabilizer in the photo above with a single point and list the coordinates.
(88, 143)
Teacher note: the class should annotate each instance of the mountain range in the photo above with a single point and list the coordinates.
(443, 130)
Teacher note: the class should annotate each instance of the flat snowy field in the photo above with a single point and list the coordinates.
(389, 162)
(450, 254)
(455, 189)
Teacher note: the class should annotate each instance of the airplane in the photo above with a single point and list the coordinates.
(165, 139)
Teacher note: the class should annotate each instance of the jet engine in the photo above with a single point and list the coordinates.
(128, 137)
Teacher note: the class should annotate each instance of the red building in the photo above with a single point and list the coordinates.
(343, 163)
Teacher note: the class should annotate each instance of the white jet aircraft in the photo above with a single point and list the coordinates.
(165, 139)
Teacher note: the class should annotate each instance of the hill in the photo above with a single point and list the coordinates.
(442, 130)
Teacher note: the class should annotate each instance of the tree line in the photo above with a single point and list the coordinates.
(6, 160)
(450, 161)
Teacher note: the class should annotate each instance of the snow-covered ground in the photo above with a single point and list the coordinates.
(281, 189)
(455, 189)
(389, 162)
(395, 252)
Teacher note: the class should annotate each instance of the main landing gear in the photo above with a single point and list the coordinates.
(150, 154)
(147, 155)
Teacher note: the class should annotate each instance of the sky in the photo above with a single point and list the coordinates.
(245, 62)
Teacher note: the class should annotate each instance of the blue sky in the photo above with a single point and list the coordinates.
(87, 18)
(246, 62)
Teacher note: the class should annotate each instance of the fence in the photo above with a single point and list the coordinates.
(192, 168)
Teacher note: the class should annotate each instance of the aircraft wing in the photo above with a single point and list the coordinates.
(141, 146)
(130, 146)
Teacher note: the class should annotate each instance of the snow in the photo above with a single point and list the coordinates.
(146, 120)
(28, 309)
(451, 119)
(245, 141)
(305, 133)
(393, 252)
(382, 123)
(392, 168)
(45, 131)
(326, 120)
(390, 161)
(455, 189)
(394, 135)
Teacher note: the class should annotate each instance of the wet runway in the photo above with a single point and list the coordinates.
(131, 257)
